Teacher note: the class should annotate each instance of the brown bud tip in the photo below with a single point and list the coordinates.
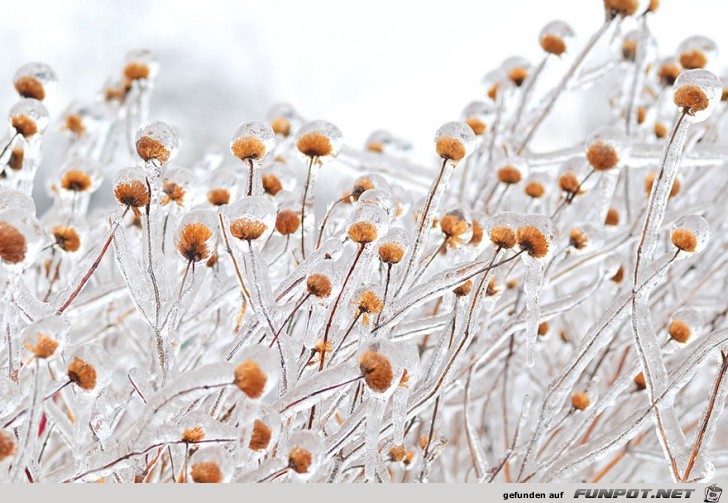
(207, 472)
(136, 71)
(248, 147)
(691, 98)
(612, 217)
(250, 378)
(246, 229)
(66, 238)
(493, 91)
(621, 7)
(464, 289)
(370, 303)
(16, 159)
(533, 241)
(450, 149)
(684, 240)
(602, 156)
(691, 60)
(503, 237)
(134, 194)
(619, 275)
(629, 50)
(553, 44)
(534, 189)
(192, 435)
(74, 123)
(391, 253)
(150, 149)
(261, 436)
(668, 74)
(362, 232)
(518, 75)
(397, 453)
(299, 460)
(580, 400)
(271, 184)
(578, 238)
(281, 126)
(641, 114)
(509, 175)
(12, 244)
(44, 346)
(543, 328)
(660, 130)
(679, 331)
(30, 87)
(639, 380)
(318, 285)
(82, 373)
(218, 197)
(287, 222)
(24, 125)
(192, 242)
(314, 144)
(377, 371)
(569, 183)
(7, 444)
(477, 125)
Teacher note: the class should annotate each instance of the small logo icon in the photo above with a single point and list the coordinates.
(712, 494)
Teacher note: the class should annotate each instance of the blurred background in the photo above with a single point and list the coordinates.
(402, 66)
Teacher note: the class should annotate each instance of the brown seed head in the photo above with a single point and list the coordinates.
(136, 70)
(553, 44)
(30, 87)
(543, 328)
(173, 192)
(248, 147)
(314, 144)
(261, 436)
(192, 435)
(192, 242)
(612, 217)
(206, 472)
(287, 222)
(493, 91)
(391, 253)
(619, 275)
(685, 240)
(580, 400)
(679, 331)
(602, 156)
(533, 241)
(518, 75)
(641, 115)
(250, 378)
(271, 184)
(318, 285)
(660, 130)
(375, 146)
(724, 94)
(691, 98)
(361, 186)
(639, 380)
(509, 175)
(16, 159)
(668, 74)
(578, 238)
(464, 289)
(450, 149)
(12, 244)
(82, 373)
(534, 189)
(247, 229)
(477, 237)
(300, 459)
(569, 183)
(74, 123)
(44, 346)
(24, 125)
(452, 226)
(397, 453)
(76, 181)
(654, 5)
(377, 371)
(281, 126)
(212, 260)
(629, 50)
(477, 125)
(503, 237)
(621, 7)
(370, 303)
(218, 197)
(362, 232)
(493, 288)
(134, 194)
(7, 444)
(66, 238)
(150, 149)
(691, 60)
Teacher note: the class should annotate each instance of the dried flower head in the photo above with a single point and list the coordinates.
(206, 472)
(477, 125)
(641, 114)
(639, 381)
(612, 217)
(618, 276)
(543, 328)
(518, 75)
(74, 123)
(534, 189)
(370, 303)
(650, 180)
(300, 460)
(533, 241)
(12, 244)
(493, 288)
(578, 238)
(377, 371)
(248, 147)
(281, 126)
(271, 184)
(660, 130)
(464, 289)
(450, 149)
(16, 159)
(684, 240)
(553, 44)
(477, 235)
(7, 444)
(453, 226)
(397, 453)
(362, 232)
(173, 192)
(569, 183)
(375, 146)
(621, 8)
(629, 49)
(66, 238)
(192, 242)
(76, 181)
(668, 74)
(24, 125)
(250, 378)
(493, 91)
(509, 175)
(360, 186)
(693, 59)
(691, 99)
(260, 437)
(602, 156)
(193, 435)
(315, 144)
(247, 229)
(391, 253)
(318, 285)
(287, 222)
(133, 194)
(44, 346)
(151, 149)
(679, 331)
(580, 400)
(30, 87)
(503, 237)
(218, 197)
(136, 70)
(82, 373)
